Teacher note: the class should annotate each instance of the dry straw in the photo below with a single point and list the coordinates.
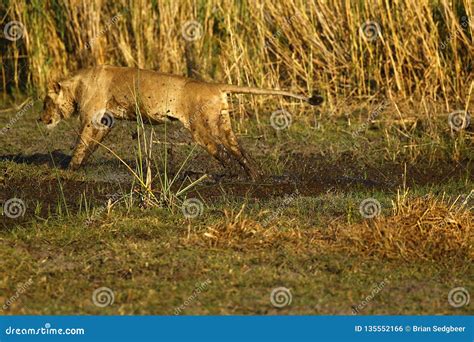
(426, 228)
(420, 229)
(409, 48)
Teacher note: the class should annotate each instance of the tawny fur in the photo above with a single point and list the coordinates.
(201, 107)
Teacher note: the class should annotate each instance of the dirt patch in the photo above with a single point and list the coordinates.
(42, 198)
(312, 175)
(349, 169)
(308, 175)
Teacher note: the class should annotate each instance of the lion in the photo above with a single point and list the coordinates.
(103, 93)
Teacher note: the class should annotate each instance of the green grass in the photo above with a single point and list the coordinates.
(153, 259)
(145, 258)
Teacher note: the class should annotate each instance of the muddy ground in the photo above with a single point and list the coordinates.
(308, 175)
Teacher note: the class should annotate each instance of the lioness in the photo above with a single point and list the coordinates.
(106, 92)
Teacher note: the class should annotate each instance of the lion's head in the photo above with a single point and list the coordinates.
(57, 105)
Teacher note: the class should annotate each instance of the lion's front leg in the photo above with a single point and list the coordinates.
(87, 143)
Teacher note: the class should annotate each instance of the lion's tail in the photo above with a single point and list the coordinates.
(314, 100)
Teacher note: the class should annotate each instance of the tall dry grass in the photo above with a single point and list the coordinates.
(424, 48)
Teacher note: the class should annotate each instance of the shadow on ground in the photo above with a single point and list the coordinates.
(53, 159)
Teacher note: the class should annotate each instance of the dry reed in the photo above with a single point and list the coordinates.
(419, 48)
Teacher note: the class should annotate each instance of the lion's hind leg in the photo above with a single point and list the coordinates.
(227, 137)
(212, 130)
(201, 133)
